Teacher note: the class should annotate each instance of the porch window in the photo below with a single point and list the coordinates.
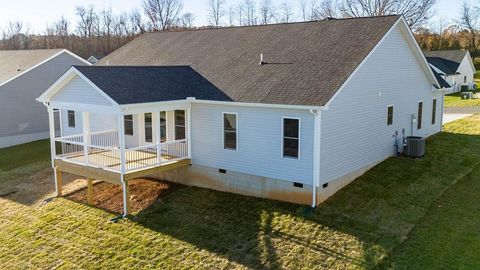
(148, 127)
(389, 115)
(420, 115)
(291, 137)
(230, 131)
(128, 123)
(163, 126)
(71, 118)
(434, 111)
(179, 116)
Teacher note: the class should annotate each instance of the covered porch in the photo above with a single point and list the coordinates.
(117, 147)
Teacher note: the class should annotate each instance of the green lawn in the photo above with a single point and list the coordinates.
(388, 218)
(455, 100)
(25, 154)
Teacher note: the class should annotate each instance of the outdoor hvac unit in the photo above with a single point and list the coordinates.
(415, 147)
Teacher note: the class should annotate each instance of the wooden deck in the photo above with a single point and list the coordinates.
(113, 176)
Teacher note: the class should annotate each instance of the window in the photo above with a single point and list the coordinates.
(148, 127)
(389, 115)
(464, 79)
(420, 114)
(230, 131)
(434, 111)
(179, 116)
(291, 136)
(128, 123)
(71, 118)
(163, 126)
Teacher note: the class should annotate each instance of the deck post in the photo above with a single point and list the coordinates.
(121, 142)
(156, 121)
(90, 191)
(58, 182)
(86, 134)
(189, 131)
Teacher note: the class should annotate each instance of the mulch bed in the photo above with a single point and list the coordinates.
(143, 193)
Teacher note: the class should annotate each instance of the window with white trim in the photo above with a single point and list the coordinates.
(128, 124)
(163, 126)
(148, 127)
(434, 111)
(71, 118)
(291, 137)
(420, 115)
(179, 116)
(390, 115)
(230, 131)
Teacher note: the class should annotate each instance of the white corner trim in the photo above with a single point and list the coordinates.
(43, 62)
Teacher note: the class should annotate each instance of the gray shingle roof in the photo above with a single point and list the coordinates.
(142, 84)
(441, 80)
(306, 62)
(447, 61)
(24, 59)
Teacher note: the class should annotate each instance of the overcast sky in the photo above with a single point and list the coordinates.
(37, 13)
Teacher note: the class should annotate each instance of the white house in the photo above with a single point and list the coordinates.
(455, 66)
(24, 75)
(291, 112)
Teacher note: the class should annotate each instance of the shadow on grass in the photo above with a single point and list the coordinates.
(358, 226)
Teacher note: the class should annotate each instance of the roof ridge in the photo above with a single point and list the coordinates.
(178, 30)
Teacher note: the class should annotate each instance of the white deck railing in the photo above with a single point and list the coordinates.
(104, 152)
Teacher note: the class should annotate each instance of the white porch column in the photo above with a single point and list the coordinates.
(156, 131)
(86, 134)
(189, 131)
(316, 154)
(51, 124)
(121, 144)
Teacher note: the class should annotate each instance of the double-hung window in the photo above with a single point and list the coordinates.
(148, 127)
(291, 137)
(163, 126)
(71, 118)
(179, 116)
(128, 123)
(390, 115)
(230, 131)
(420, 115)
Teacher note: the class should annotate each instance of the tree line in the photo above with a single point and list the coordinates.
(101, 31)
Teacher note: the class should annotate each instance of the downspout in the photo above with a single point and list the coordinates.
(316, 155)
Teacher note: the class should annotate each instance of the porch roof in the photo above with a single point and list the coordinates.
(144, 84)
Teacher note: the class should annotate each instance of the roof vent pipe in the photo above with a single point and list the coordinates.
(261, 60)
(18, 68)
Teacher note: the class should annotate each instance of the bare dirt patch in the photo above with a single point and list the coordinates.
(143, 193)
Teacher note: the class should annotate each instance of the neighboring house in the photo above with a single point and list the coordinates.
(455, 66)
(94, 59)
(269, 111)
(24, 75)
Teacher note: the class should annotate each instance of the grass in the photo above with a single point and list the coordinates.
(388, 218)
(455, 100)
(25, 154)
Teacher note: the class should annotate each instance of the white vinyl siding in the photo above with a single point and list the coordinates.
(259, 142)
(78, 90)
(354, 134)
(20, 93)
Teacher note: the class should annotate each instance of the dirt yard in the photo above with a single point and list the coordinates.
(40, 186)
(143, 193)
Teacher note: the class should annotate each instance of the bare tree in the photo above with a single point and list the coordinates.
(249, 12)
(286, 12)
(469, 20)
(231, 15)
(136, 22)
(267, 11)
(416, 12)
(216, 11)
(186, 20)
(327, 9)
(303, 9)
(162, 14)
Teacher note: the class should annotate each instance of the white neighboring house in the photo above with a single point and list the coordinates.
(455, 66)
(204, 108)
(24, 75)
